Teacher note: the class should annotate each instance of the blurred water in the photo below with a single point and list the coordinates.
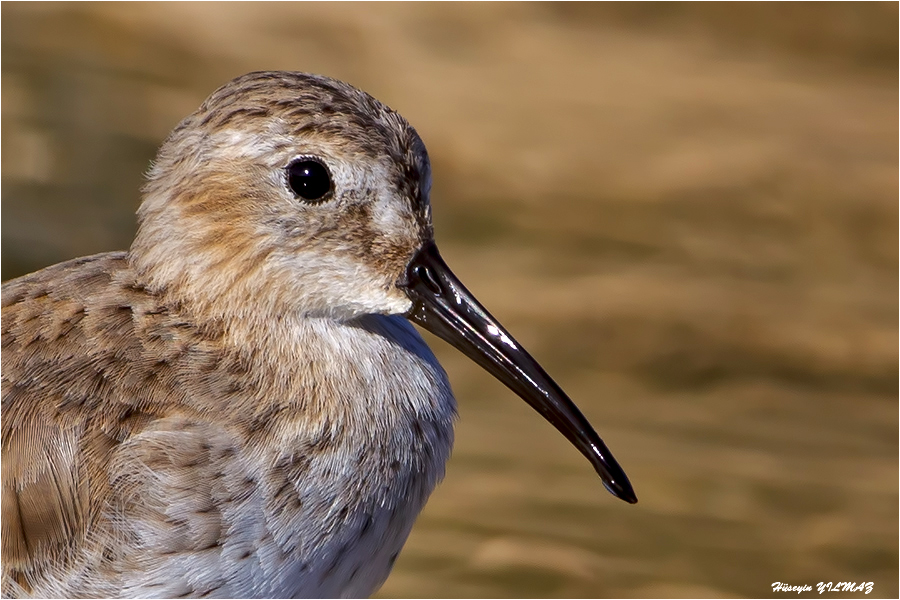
(688, 213)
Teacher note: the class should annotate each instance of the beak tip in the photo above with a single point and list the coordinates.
(623, 492)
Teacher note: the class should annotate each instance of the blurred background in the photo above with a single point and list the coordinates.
(687, 212)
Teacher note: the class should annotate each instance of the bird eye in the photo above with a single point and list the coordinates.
(309, 180)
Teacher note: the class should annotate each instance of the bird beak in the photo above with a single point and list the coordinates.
(443, 306)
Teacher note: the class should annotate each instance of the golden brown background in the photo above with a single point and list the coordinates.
(688, 213)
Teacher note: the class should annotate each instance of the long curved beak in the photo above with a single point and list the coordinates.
(443, 306)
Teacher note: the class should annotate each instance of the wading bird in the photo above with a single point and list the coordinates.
(239, 405)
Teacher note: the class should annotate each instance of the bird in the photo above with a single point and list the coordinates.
(239, 405)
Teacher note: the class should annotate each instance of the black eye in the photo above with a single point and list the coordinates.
(309, 179)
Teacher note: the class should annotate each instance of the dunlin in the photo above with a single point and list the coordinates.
(238, 406)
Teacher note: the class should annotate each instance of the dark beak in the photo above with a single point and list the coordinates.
(443, 306)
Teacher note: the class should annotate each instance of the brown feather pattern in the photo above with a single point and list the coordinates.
(188, 418)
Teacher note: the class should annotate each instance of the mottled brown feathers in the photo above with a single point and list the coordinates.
(114, 405)
(221, 410)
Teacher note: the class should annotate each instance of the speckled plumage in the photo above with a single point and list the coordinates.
(229, 408)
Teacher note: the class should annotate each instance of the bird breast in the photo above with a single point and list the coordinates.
(343, 458)
(194, 458)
